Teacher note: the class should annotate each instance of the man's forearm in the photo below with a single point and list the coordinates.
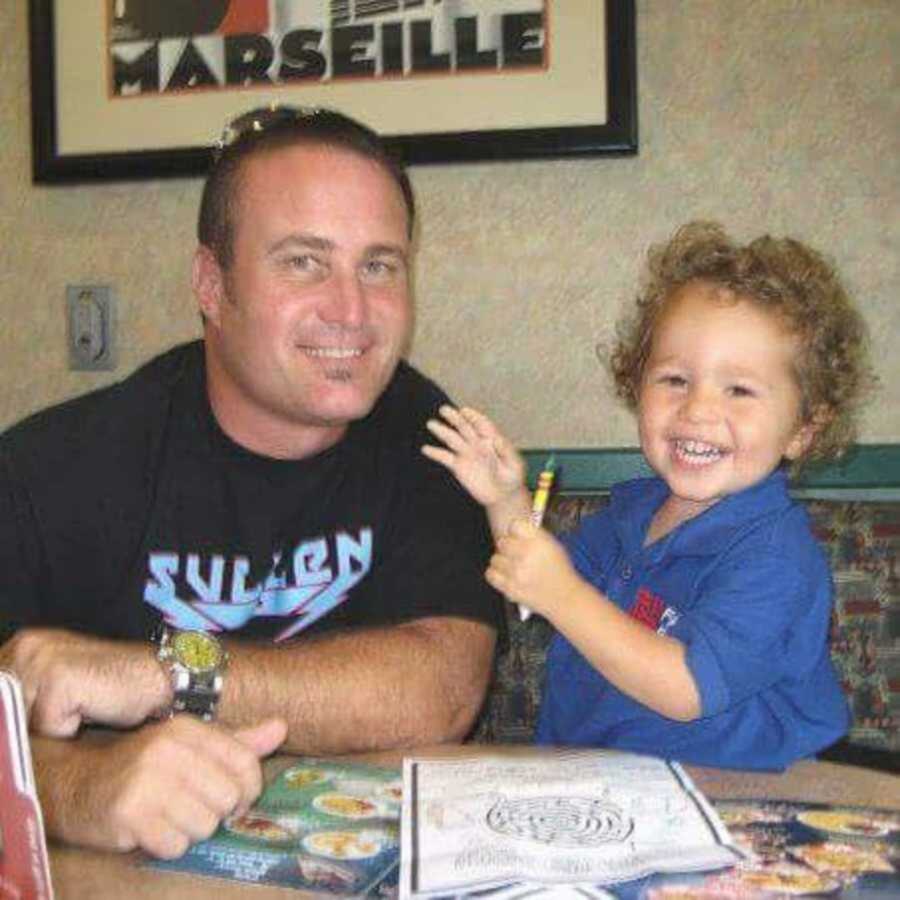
(61, 769)
(404, 685)
(52, 761)
(419, 682)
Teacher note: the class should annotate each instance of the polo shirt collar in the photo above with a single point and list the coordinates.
(634, 503)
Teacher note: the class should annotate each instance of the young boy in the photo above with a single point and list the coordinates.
(692, 613)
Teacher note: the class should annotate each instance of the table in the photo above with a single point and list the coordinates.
(90, 875)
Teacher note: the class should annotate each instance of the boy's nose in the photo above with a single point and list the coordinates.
(700, 405)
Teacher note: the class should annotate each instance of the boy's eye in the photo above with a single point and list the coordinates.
(740, 390)
(673, 380)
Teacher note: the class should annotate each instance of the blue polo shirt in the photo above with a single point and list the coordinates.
(747, 590)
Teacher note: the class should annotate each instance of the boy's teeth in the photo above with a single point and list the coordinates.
(698, 450)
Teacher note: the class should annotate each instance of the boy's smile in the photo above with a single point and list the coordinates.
(696, 453)
(720, 406)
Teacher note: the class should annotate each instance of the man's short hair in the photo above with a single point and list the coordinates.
(271, 128)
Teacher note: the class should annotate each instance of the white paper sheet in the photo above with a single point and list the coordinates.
(578, 818)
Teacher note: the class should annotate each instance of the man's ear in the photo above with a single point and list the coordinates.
(208, 283)
(806, 433)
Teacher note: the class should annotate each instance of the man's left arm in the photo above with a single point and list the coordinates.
(398, 685)
(394, 686)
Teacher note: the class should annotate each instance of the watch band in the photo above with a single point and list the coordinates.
(195, 696)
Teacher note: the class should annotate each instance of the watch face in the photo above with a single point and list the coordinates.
(198, 651)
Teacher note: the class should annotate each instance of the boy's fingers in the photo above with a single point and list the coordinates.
(499, 566)
(480, 423)
(452, 416)
(505, 450)
(498, 582)
(446, 434)
(460, 421)
(439, 455)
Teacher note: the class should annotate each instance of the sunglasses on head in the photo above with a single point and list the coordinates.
(257, 121)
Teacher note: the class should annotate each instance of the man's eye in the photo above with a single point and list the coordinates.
(379, 267)
(304, 262)
(380, 270)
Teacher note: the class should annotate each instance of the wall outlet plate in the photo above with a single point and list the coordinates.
(90, 310)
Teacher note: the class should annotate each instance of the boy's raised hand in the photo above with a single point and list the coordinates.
(481, 459)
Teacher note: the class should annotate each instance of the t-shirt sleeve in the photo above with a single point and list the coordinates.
(437, 544)
(755, 623)
(439, 548)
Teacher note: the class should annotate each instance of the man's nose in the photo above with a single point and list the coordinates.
(345, 304)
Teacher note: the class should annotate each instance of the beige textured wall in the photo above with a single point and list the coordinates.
(778, 115)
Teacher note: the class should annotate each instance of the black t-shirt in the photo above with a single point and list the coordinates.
(130, 505)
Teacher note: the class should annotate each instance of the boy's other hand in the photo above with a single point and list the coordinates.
(531, 567)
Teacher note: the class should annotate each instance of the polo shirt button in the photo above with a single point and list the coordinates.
(625, 572)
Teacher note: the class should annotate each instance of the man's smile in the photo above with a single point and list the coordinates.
(333, 352)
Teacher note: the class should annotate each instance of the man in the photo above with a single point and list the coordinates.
(266, 483)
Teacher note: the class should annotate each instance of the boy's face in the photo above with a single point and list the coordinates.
(719, 405)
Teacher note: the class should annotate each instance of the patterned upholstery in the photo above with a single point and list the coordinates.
(510, 710)
(862, 539)
(863, 543)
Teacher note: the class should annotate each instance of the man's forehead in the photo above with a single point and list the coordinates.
(308, 165)
(314, 159)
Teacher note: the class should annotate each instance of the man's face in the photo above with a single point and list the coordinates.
(305, 327)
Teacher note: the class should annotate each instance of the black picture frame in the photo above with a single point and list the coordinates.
(616, 136)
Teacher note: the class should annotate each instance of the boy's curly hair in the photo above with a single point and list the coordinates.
(782, 275)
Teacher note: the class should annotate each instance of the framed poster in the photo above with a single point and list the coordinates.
(142, 88)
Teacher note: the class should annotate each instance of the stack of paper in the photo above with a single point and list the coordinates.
(512, 825)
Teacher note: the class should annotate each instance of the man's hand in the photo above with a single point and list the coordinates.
(159, 789)
(531, 567)
(69, 678)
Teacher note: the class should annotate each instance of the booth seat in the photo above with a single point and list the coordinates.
(855, 510)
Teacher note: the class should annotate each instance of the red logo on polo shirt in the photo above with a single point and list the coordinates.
(648, 608)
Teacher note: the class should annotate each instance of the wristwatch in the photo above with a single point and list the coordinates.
(195, 662)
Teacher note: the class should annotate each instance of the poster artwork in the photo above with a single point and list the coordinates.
(166, 46)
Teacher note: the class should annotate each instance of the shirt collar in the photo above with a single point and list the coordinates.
(634, 503)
